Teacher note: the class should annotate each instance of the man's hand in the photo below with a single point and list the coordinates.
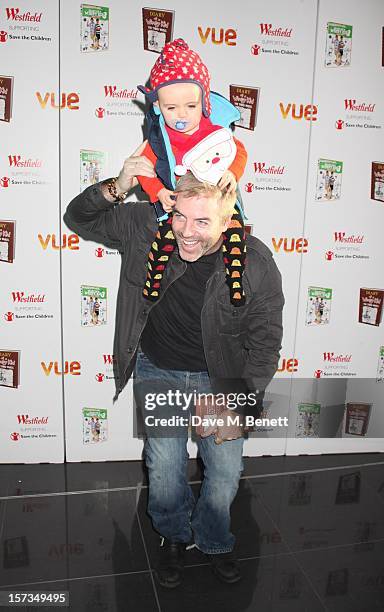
(135, 165)
(231, 429)
(228, 180)
(166, 199)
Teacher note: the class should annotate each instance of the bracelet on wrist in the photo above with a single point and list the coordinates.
(111, 185)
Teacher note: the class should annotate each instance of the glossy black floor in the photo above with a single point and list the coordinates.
(310, 536)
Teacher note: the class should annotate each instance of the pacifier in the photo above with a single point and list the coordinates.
(180, 125)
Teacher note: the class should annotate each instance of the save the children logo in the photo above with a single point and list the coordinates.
(5, 181)
(275, 41)
(336, 365)
(3, 36)
(298, 111)
(268, 177)
(218, 36)
(69, 101)
(346, 246)
(28, 306)
(24, 26)
(118, 102)
(107, 373)
(101, 252)
(255, 50)
(358, 114)
(33, 427)
(26, 170)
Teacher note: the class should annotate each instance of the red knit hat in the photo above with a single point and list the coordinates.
(177, 63)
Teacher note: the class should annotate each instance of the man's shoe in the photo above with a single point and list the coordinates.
(169, 571)
(226, 567)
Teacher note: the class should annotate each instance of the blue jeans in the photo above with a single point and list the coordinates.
(171, 505)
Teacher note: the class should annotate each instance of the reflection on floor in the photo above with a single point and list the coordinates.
(310, 536)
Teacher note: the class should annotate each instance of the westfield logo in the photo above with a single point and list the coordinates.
(15, 15)
(262, 168)
(298, 112)
(337, 358)
(70, 101)
(112, 92)
(268, 30)
(67, 242)
(341, 237)
(360, 107)
(290, 245)
(218, 36)
(288, 365)
(109, 359)
(25, 419)
(20, 298)
(19, 162)
(70, 367)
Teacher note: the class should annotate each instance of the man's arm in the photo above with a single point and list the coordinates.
(265, 330)
(95, 216)
(263, 344)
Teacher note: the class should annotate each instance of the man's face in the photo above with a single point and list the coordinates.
(198, 226)
(181, 107)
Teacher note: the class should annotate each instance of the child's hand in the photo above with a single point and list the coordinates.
(228, 180)
(166, 200)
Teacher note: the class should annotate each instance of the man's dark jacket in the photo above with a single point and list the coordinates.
(241, 344)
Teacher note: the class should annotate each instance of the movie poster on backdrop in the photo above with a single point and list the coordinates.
(338, 49)
(7, 241)
(329, 175)
(246, 100)
(10, 369)
(377, 181)
(380, 365)
(157, 28)
(6, 98)
(94, 28)
(92, 168)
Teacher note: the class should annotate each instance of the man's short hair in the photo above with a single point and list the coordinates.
(190, 187)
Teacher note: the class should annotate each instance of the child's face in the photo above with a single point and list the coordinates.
(181, 106)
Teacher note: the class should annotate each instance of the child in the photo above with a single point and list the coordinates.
(184, 112)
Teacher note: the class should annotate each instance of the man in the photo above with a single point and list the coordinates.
(191, 339)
